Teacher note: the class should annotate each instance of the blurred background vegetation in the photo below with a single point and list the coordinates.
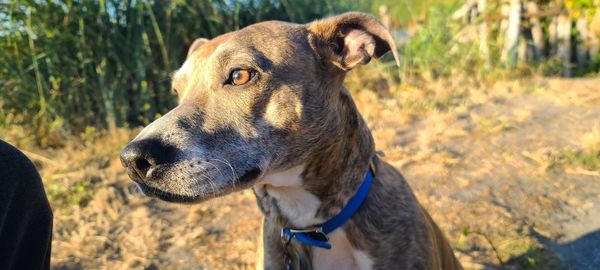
(484, 136)
(74, 67)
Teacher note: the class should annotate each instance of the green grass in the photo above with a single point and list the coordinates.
(78, 193)
(512, 249)
(587, 160)
(537, 258)
(587, 155)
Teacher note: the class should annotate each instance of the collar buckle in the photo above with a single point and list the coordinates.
(315, 233)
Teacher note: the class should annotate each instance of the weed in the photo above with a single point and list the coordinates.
(588, 154)
(78, 193)
(587, 160)
(515, 251)
(493, 125)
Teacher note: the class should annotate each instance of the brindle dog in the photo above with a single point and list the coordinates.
(264, 107)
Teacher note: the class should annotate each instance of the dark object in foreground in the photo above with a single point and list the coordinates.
(25, 214)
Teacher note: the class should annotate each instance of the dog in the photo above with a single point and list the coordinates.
(265, 108)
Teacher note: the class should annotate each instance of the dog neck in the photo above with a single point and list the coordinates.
(315, 191)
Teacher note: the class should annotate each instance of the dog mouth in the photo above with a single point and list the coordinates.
(244, 181)
(167, 196)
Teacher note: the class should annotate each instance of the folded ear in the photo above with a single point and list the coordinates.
(195, 45)
(350, 39)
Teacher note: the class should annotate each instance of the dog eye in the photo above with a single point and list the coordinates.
(175, 91)
(240, 76)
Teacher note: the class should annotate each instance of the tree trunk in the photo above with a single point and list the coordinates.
(595, 35)
(582, 43)
(483, 33)
(564, 43)
(509, 51)
(553, 37)
(594, 47)
(595, 24)
(385, 17)
(522, 51)
(503, 23)
(536, 31)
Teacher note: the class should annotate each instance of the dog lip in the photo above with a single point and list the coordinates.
(166, 196)
(245, 181)
(250, 175)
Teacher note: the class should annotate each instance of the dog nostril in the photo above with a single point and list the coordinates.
(141, 156)
(142, 166)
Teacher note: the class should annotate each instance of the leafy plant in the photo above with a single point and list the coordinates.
(67, 65)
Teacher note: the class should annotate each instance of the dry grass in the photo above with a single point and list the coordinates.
(489, 160)
(587, 154)
(591, 140)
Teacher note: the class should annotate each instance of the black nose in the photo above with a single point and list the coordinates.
(139, 157)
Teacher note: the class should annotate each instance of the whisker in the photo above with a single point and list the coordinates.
(226, 162)
(216, 167)
(211, 181)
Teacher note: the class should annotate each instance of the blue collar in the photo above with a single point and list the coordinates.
(317, 235)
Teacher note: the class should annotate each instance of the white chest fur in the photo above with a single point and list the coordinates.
(300, 207)
(341, 256)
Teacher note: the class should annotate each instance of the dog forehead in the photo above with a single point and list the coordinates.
(267, 36)
(207, 49)
(270, 36)
(264, 31)
(274, 39)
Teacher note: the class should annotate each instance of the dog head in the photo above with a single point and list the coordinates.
(251, 102)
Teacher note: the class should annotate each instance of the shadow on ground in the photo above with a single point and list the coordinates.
(582, 253)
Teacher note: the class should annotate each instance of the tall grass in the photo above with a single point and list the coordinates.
(70, 66)
(67, 65)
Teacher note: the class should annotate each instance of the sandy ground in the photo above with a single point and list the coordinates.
(488, 162)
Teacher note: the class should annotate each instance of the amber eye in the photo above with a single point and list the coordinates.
(239, 76)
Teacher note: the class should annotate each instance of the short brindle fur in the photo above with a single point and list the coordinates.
(292, 132)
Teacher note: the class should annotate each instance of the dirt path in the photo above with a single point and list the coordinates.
(499, 168)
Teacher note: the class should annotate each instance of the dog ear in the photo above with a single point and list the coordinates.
(195, 45)
(350, 39)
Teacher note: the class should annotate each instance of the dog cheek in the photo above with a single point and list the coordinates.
(284, 112)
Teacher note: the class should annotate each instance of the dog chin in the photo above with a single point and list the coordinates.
(243, 182)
